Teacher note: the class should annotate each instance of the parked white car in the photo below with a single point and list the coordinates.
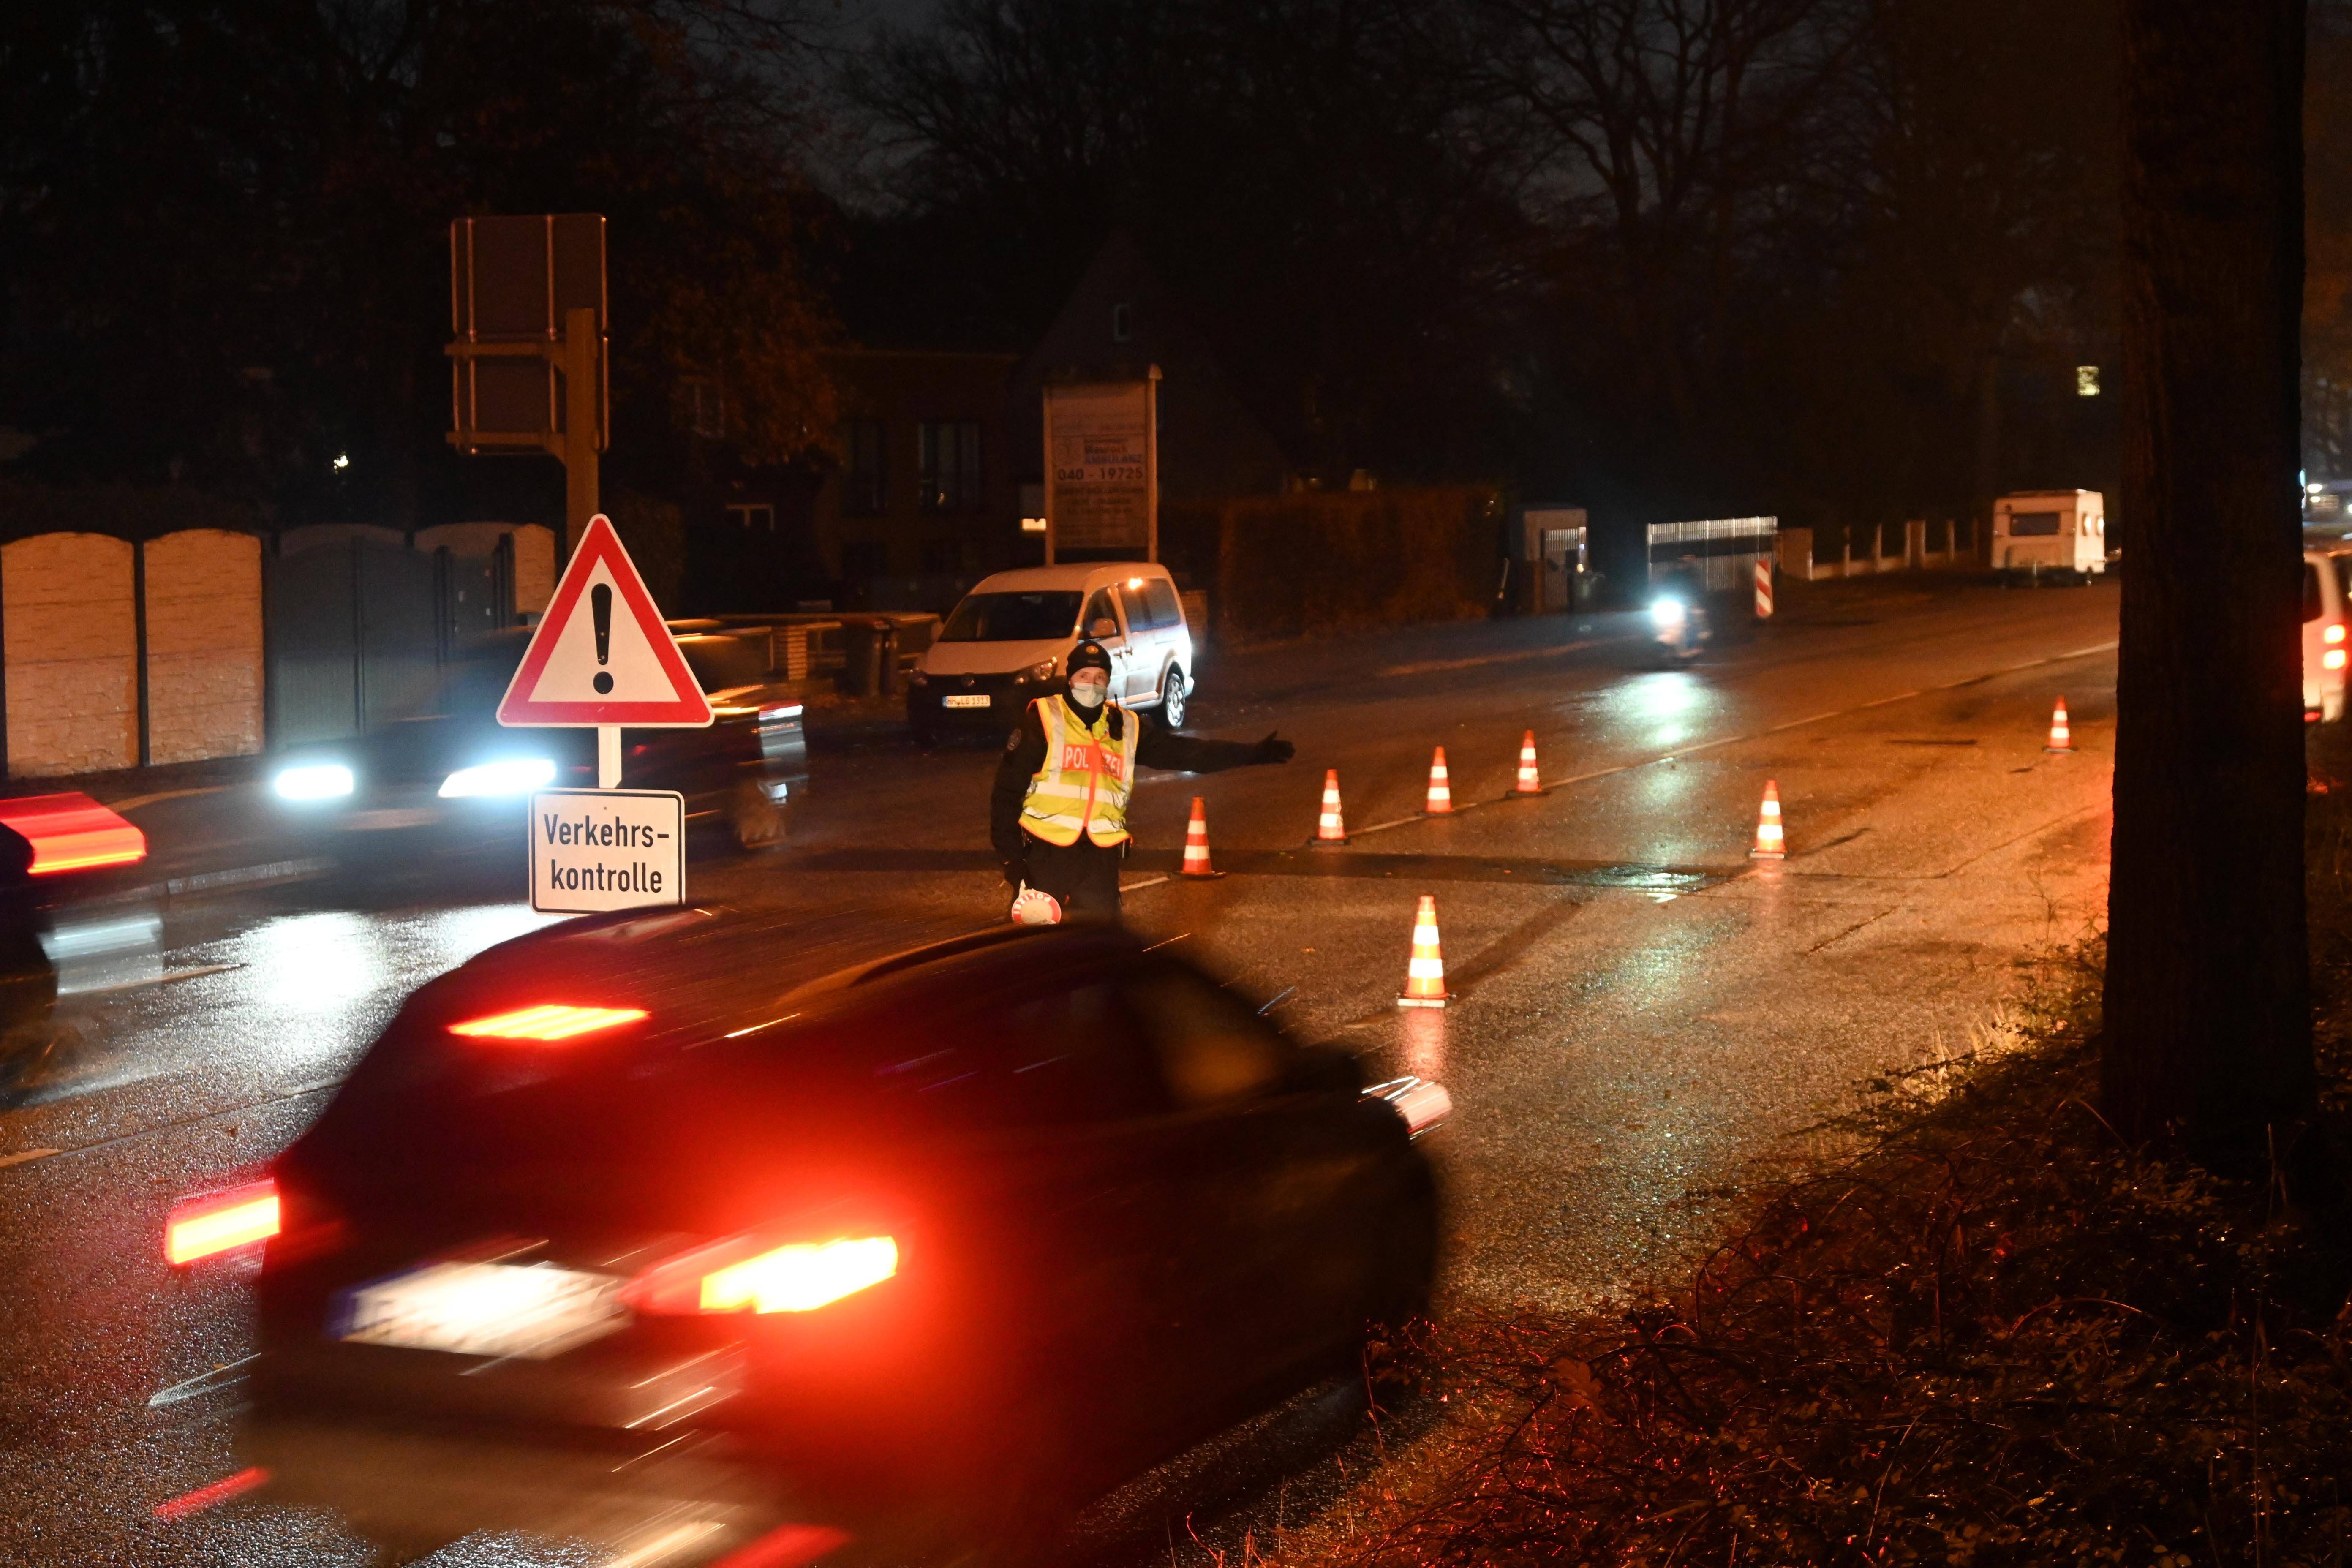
(1007, 643)
(2051, 533)
(2325, 576)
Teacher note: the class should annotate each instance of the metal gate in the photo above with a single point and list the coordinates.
(354, 639)
(1722, 551)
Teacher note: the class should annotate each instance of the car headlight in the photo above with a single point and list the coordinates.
(1042, 671)
(918, 678)
(1667, 612)
(313, 781)
(515, 775)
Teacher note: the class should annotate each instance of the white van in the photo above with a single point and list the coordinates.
(1006, 644)
(2038, 533)
(2326, 614)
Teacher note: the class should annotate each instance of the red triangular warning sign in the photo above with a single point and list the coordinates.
(602, 655)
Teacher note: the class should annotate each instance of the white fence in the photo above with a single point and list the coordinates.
(1925, 545)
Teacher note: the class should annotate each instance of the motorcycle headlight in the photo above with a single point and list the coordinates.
(313, 781)
(515, 775)
(1667, 612)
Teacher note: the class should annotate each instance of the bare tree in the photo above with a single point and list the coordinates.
(2208, 1021)
(1678, 122)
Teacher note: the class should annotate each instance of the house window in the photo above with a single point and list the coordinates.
(1122, 322)
(753, 517)
(861, 474)
(949, 461)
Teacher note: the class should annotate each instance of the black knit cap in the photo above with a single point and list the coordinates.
(1088, 655)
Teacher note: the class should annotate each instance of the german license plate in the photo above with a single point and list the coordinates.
(483, 1309)
(975, 700)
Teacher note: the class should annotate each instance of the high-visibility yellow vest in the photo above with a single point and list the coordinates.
(1084, 781)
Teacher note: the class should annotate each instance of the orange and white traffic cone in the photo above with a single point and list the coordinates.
(1196, 843)
(1441, 793)
(2061, 739)
(1425, 972)
(1331, 828)
(1529, 784)
(1770, 844)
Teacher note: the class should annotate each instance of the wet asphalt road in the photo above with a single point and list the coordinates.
(1642, 1013)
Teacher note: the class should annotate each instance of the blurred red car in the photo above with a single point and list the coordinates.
(714, 1217)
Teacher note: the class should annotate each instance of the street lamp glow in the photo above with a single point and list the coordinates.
(342, 461)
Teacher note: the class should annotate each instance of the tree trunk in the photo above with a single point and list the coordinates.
(2208, 1024)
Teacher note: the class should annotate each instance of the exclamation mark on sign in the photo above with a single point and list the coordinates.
(600, 605)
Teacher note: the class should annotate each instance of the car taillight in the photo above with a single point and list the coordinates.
(745, 1274)
(2334, 634)
(72, 833)
(221, 1222)
(2333, 658)
(550, 1021)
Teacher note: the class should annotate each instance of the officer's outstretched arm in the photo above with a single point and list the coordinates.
(1161, 747)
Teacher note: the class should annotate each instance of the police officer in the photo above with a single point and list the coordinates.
(1059, 815)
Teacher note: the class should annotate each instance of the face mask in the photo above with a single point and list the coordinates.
(1089, 694)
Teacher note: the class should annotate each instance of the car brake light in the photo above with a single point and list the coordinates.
(221, 1222)
(72, 833)
(2333, 633)
(799, 1277)
(550, 1021)
(2332, 660)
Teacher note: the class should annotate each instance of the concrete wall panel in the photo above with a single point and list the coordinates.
(203, 645)
(71, 652)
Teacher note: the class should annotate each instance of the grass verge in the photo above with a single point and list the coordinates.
(1992, 1334)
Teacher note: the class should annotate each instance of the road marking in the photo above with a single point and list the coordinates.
(200, 970)
(23, 1155)
(300, 1089)
(136, 801)
(1434, 666)
(1139, 887)
(220, 1377)
(275, 871)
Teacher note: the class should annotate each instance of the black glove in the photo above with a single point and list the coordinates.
(1016, 872)
(1274, 749)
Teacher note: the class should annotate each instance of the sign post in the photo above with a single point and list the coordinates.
(602, 657)
(527, 351)
(1102, 466)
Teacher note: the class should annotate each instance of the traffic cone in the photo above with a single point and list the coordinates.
(1196, 843)
(1332, 829)
(1529, 784)
(1425, 972)
(1441, 794)
(2061, 739)
(1770, 844)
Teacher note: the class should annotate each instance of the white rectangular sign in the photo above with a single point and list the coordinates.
(1102, 466)
(597, 849)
